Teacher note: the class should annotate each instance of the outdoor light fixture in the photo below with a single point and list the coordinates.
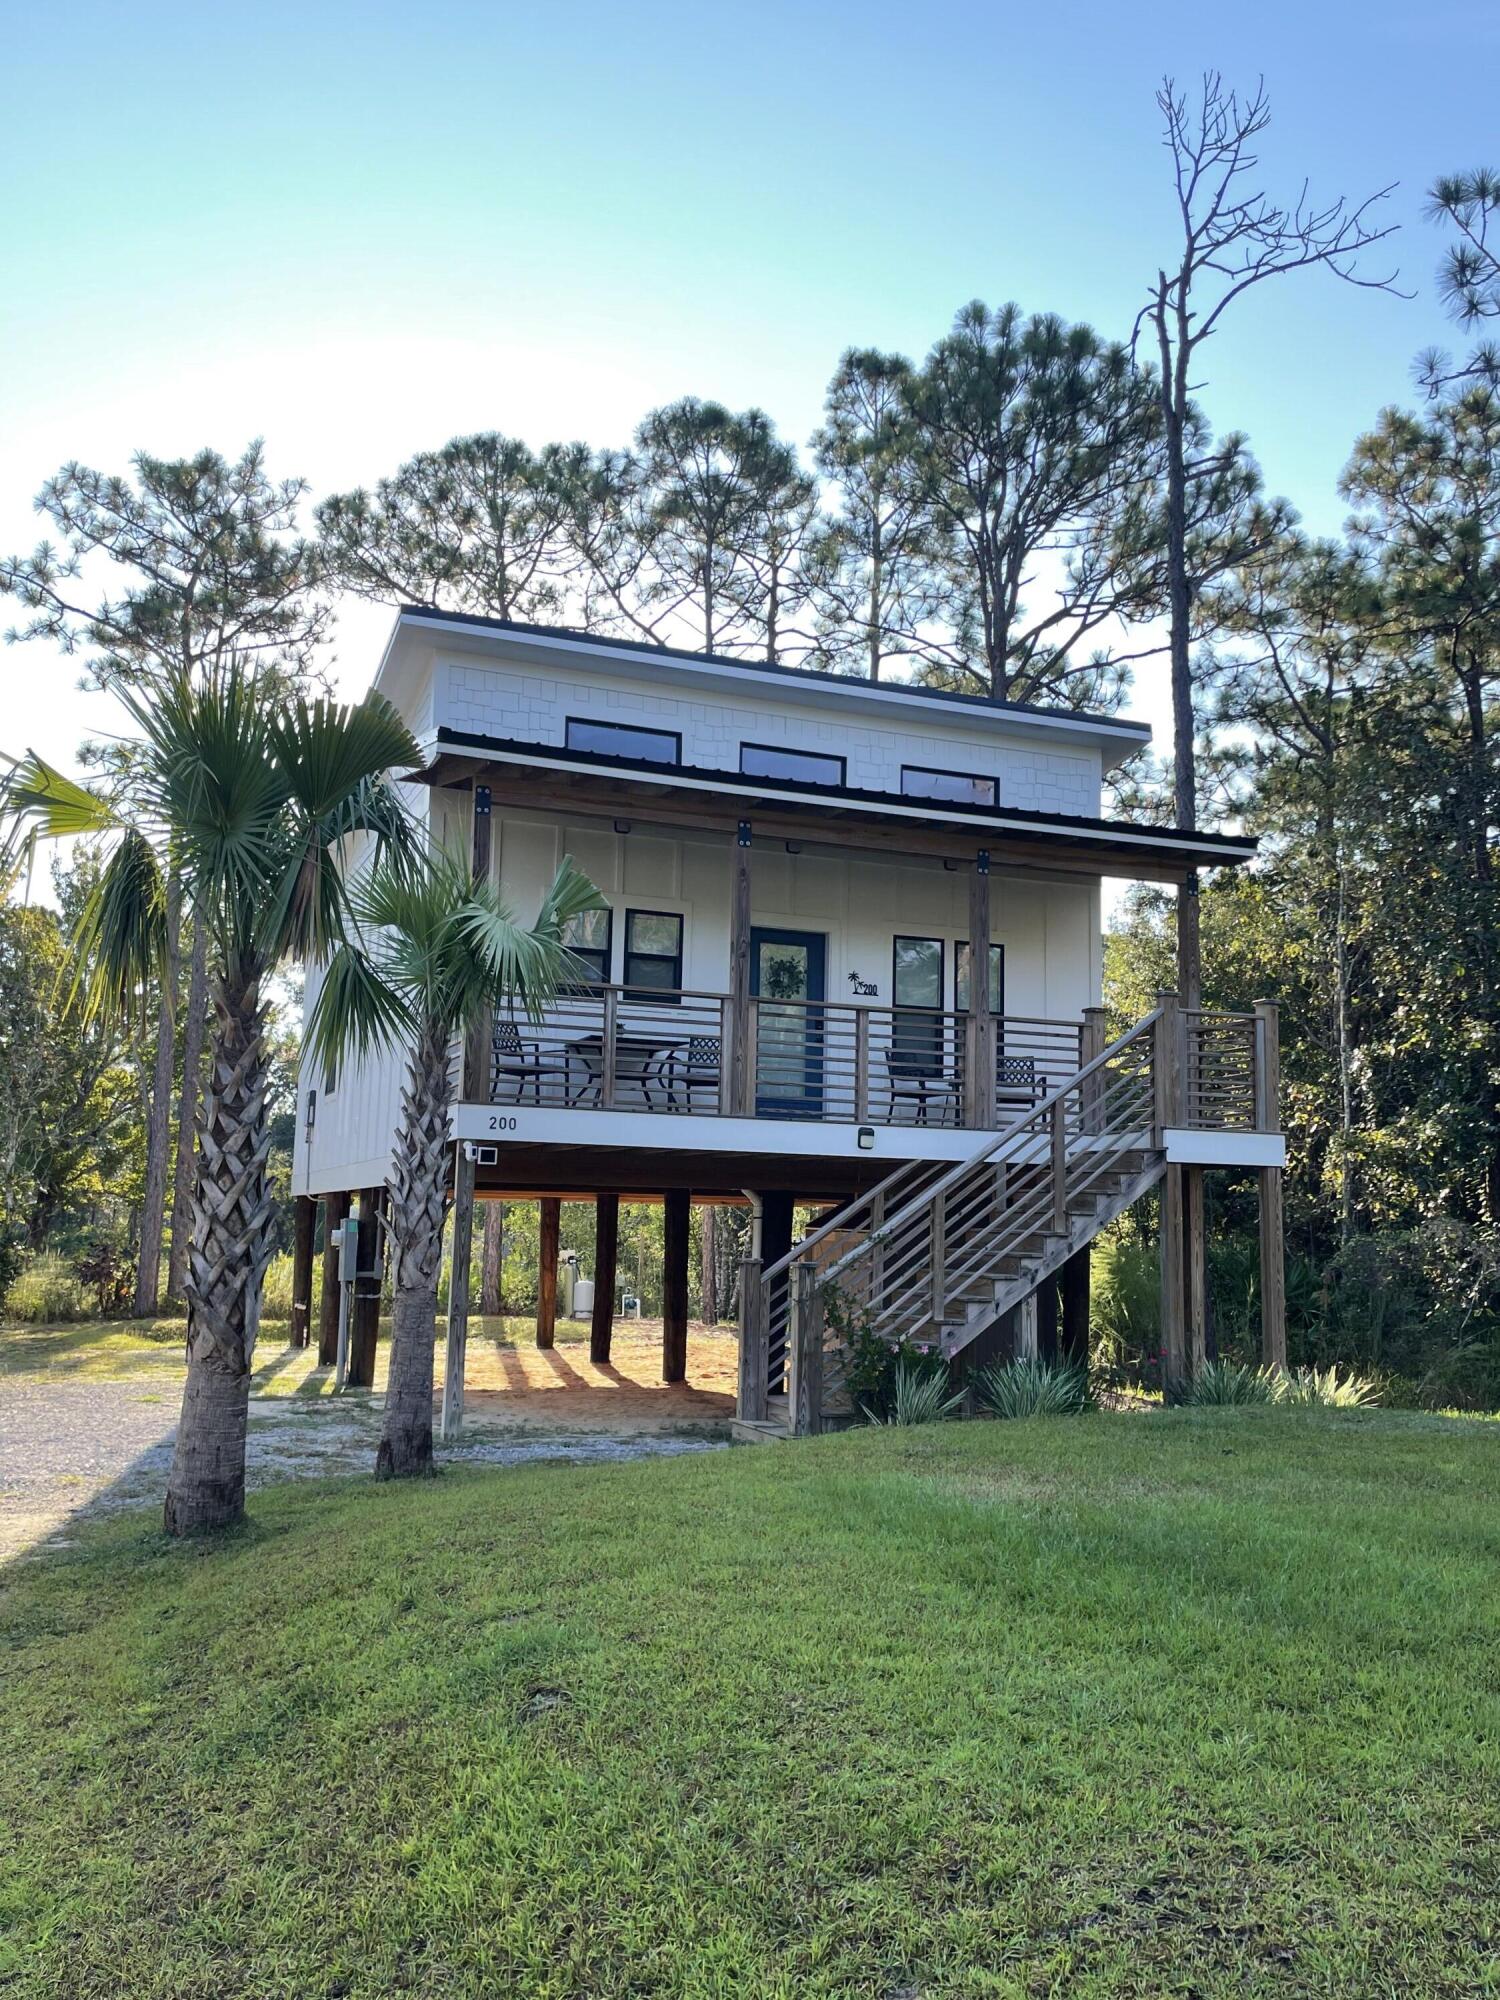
(622, 826)
(312, 1113)
(866, 1137)
(794, 847)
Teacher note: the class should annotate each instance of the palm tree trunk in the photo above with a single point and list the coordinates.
(419, 1192)
(232, 1226)
(187, 1114)
(159, 1121)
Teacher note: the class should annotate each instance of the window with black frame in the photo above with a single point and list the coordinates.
(624, 739)
(960, 788)
(917, 990)
(589, 936)
(653, 955)
(961, 963)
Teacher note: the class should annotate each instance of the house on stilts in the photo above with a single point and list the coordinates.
(851, 962)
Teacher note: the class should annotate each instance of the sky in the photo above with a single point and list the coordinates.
(358, 231)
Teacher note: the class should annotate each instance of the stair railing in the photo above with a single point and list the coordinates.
(932, 1238)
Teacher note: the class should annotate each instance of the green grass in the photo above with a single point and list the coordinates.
(1201, 1703)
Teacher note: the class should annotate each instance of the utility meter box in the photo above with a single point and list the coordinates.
(347, 1238)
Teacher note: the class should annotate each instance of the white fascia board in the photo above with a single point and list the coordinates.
(925, 814)
(1225, 1149)
(1114, 739)
(670, 1132)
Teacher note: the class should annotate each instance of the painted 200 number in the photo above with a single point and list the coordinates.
(502, 1124)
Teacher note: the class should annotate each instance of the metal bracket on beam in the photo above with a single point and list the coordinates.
(481, 802)
(742, 834)
(982, 861)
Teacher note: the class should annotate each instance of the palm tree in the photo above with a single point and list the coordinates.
(252, 804)
(438, 953)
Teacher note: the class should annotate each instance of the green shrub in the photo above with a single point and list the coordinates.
(1033, 1389)
(45, 1290)
(276, 1289)
(1324, 1388)
(1230, 1382)
(920, 1396)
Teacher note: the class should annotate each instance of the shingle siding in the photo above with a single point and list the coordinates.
(496, 702)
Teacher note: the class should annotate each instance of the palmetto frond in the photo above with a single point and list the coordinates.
(356, 1012)
(120, 943)
(55, 805)
(445, 950)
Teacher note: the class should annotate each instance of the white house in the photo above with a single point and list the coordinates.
(853, 931)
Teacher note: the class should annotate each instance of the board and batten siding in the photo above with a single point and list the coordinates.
(529, 707)
(1050, 929)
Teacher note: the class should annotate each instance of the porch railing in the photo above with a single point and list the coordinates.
(619, 1048)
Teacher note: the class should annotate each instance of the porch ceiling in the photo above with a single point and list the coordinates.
(544, 777)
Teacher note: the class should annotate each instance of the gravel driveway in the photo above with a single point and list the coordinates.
(71, 1450)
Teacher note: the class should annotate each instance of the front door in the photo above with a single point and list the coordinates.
(787, 970)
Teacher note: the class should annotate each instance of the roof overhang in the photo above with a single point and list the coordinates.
(552, 779)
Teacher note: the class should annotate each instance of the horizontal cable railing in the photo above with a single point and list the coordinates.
(1219, 1086)
(858, 1065)
(614, 1048)
(913, 1257)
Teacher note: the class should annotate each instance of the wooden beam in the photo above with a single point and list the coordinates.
(674, 1285)
(455, 1347)
(1046, 1321)
(546, 1279)
(476, 1078)
(335, 1208)
(606, 1253)
(741, 1055)
(1195, 1273)
(304, 1225)
(1272, 1270)
(1173, 1287)
(364, 1319)
(750, 1403)
(805, 1351)
(581, 795)
(979, 1072)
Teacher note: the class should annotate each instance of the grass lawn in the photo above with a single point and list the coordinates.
(1185, 1703)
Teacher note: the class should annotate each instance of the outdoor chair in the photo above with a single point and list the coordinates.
(917, 1081)
(524, 1063)
(693, 1068)
(1017, 1082)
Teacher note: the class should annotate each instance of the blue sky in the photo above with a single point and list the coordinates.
(356, 231)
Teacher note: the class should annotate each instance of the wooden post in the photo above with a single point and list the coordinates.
(1059, 1152)
(492, 1262)
(750, 1404)
(455, 1348)
(304, 1222)
(364, 1319)
(1195, 1274)
(609, 1052)
(546, 1276)
(477, 1080)
(606, 1252)
(1272, 1227)
(1075, 1309)
(335, 1208)
(861, 1065)
(1092, 1043)
(674, 1285)
(1173, 1274)
(741, 1053)
(805, 1352)
(1166, 1061)
(979, 1071)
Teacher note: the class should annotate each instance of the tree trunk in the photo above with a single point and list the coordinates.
(187, 1114)
(492, 1262)
(159, 1121)
(708, 1260)
(419, 1192)
(232, 1225)
(1174, 409)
